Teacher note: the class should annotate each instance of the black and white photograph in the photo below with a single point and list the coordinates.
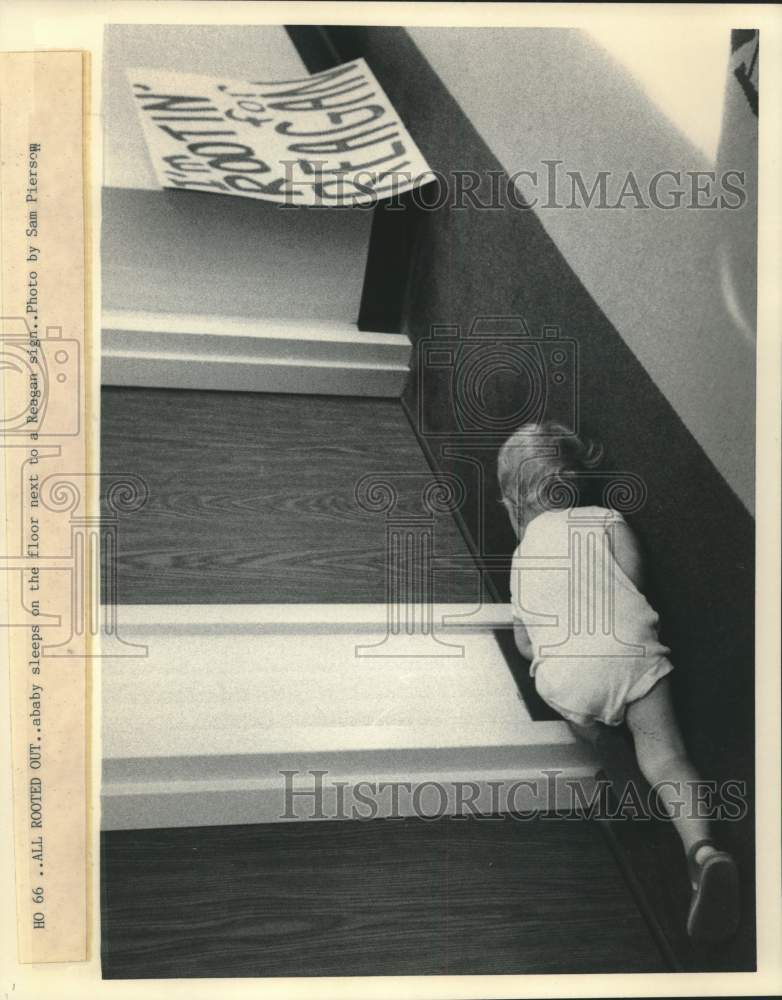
(415, 573)
(429, 356)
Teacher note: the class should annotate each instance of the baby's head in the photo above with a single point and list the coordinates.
(538, 468)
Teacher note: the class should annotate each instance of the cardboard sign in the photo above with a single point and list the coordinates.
(328, 139)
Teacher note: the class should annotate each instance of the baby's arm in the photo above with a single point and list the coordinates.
(627, 552)
(523, 644)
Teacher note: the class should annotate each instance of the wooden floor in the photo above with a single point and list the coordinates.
(387, 897)
(252, 497)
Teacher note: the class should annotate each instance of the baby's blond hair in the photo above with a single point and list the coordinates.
(532, 458)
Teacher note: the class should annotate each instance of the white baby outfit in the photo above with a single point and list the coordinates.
(593, 633)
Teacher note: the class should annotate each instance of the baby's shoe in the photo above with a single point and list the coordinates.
(714, 910)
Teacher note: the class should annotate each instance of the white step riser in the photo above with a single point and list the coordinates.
(198, 727)
(174, 351)
(225, 802)
(241, 338)
(250, 375)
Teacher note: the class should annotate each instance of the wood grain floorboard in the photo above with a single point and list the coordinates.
(252, 497)
(387, 897)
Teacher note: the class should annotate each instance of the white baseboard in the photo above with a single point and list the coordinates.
(548, 773)
(160, 350)
(198, 730)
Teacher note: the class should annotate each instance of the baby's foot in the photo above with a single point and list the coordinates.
(714, 910)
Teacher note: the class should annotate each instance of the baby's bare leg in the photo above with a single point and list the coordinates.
(664, 763)
(714, 905)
